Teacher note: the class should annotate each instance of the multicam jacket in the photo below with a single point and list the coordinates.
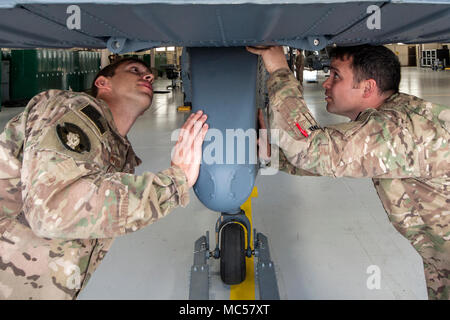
(66, 190)
(403, 146)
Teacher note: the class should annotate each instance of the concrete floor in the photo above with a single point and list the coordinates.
(324, 233)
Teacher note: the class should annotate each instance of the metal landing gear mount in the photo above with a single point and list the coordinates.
(231, 229)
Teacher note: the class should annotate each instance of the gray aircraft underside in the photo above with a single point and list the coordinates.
(136, 25)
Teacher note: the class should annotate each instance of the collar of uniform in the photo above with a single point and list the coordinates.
(390, 102)
(394, 100)
(109, 118)
(131, 156)
(357, 116)
(392, 97)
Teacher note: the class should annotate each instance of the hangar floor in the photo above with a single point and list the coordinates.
(324, 233)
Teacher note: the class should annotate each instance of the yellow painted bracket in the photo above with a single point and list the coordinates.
(246, 289)
(184, 108)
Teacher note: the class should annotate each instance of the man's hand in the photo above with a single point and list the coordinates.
(187, 152)
(273, 57)
(263, 143)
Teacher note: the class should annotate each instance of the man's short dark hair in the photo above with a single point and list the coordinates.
(110, 70)
(372, 62)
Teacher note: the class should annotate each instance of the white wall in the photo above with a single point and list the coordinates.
(401, 50)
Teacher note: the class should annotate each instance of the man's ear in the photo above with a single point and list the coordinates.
(103, 82)
(370, 88)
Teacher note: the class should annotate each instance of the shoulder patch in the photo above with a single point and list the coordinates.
(73, 138)
(96, 118)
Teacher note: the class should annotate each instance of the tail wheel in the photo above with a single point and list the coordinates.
(232, 254)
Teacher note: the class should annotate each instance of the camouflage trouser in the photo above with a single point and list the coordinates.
(435, 252)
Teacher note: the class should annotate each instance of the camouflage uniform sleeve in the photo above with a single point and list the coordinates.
(286, 166)
(69, 195)
(373, 146)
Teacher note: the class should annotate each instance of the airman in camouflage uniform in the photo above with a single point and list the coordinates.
(403, 145)
(299, 66)
(67, 188)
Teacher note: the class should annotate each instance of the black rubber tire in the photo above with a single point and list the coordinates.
(232, 254)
